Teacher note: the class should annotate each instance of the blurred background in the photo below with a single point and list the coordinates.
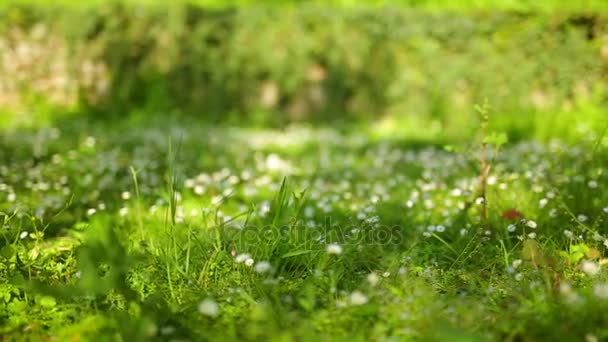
(403, 67)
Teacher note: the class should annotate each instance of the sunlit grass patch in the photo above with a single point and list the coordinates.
(190, 232)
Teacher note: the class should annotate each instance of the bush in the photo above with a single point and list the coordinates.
(268, 64)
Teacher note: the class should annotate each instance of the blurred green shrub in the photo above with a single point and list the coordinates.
(275, 65)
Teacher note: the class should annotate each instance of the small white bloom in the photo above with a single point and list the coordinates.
(263, 267)
(340, 304)
(492, 180)
(582, 218)
(123, 211)
(590, 267)
(516, 263)
(479, 201)
(519, 276)
(543, 202)
(358, 298)
(242, 257)
(601, 291)
(11, 197)
(264, 208)
(208, 308)
(125, 195)
(249, 262)
(532, 236)
(568, 233)
(373, 279)
(440, 229)
(592, 184)
(274, 162)
(605, 210)
(23, 235)
(463, 232)
(333, 248)
(511, 228)
(199, 189)
(386, 274)
(531, 224)
(189, 183)
(456, 192)
(91, 211)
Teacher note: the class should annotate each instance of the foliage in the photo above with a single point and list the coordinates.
(115, 233)
(385, 207)
(267, 64)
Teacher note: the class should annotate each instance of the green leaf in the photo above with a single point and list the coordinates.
(296, 253)
(8, 252)
(496, 138)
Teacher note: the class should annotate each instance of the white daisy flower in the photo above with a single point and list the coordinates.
(208, 307)
(531, 224)
(590, 267)
(373, 279)
(334, 249)
(358, 298)
(517, 263)
(263, 267)
(242, 257)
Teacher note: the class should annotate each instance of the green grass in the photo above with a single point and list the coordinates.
(125, 231)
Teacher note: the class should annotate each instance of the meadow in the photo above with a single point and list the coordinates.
(128, 220)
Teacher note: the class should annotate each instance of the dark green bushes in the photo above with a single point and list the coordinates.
(264, 64)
